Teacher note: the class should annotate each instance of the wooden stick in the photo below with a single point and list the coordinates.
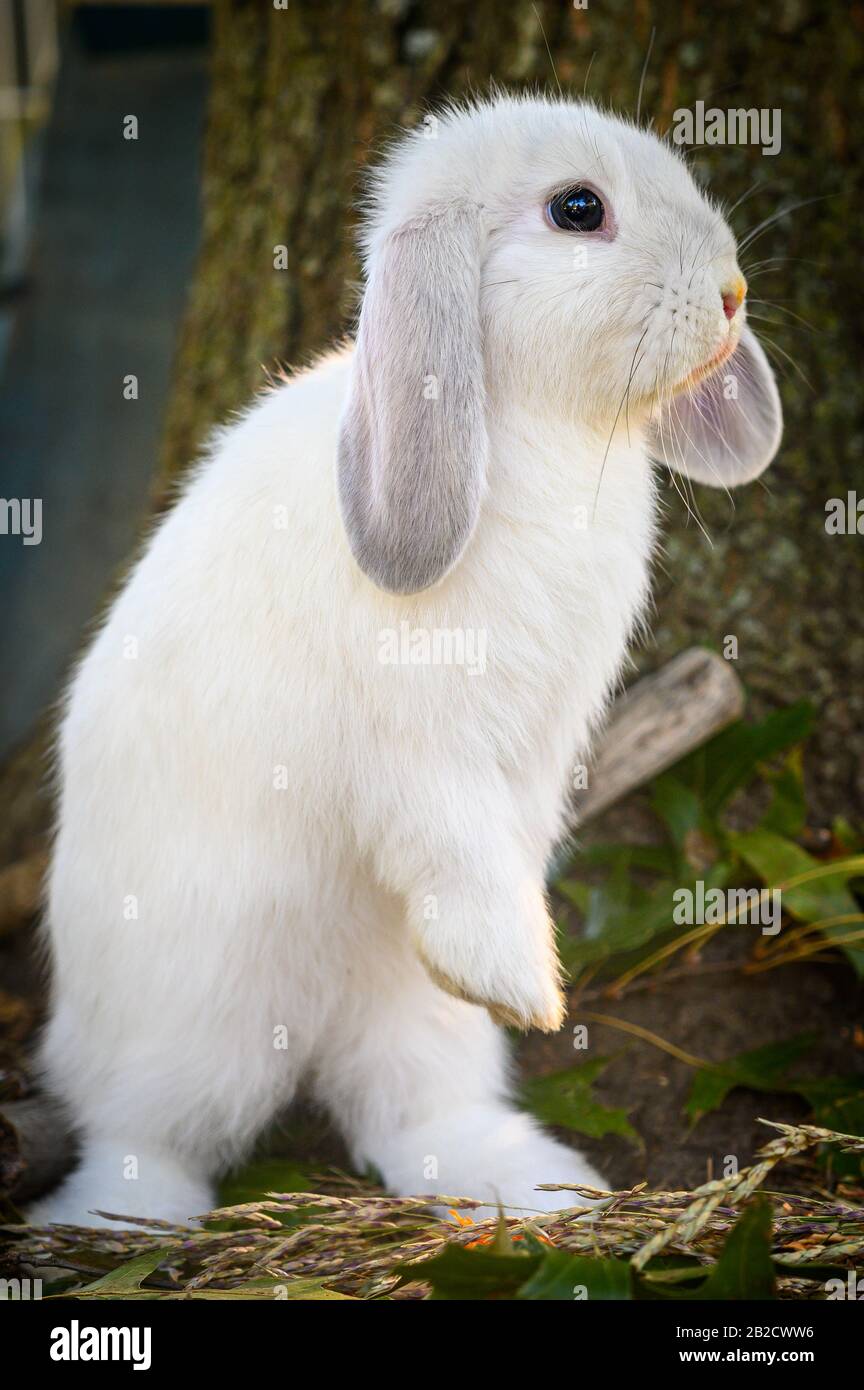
(658, 721)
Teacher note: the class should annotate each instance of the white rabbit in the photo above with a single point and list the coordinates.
(313, 764)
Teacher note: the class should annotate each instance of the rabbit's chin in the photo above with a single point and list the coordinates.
(706, 370)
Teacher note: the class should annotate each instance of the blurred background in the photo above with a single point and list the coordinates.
(153, 156)
(98, 236)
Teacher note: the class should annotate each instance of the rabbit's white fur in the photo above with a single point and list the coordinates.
(274, 848)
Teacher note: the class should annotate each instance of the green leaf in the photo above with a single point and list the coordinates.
(602, 906)
(612, 929)
(287, 1290)
(776, 859)
(846, 835)
(562, 1276)
(635, 928)
(501, 1244)
(664, 1270)
(471, 1275)
(787, 813)
(678, 807)
(731, 759)
(279, 1290)
(833, 1097)
(659, 859)
(127, 1278)
(576, 892)
(565, 1098)
(745, 1269)
(255, 1180)
(761, 1069)
(838, 1103)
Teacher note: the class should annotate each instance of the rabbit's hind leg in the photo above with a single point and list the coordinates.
(418, 1083)
(166, 1187)
(169, 1075)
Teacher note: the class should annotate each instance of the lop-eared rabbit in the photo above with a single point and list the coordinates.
(289, 853)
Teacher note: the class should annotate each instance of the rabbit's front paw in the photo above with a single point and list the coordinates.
(514, 974)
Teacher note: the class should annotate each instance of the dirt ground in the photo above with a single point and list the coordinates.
(713, 1015)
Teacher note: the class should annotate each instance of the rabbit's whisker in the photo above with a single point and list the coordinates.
(781, 309)
(644, 71)
(676, 477)
(693, 266)
(548, 50)
(633, 366)
(588, 74)
(762, 227)
(694, 511)
(760, 183)
(769, 342)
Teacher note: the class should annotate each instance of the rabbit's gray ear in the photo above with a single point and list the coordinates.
(413, 444)
(728, 429)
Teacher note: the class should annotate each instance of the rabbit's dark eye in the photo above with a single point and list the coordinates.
(577, 210)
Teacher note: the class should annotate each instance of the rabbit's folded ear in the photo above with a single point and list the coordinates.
(728, 430)
(413, 443)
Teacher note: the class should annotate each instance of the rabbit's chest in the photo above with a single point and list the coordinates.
(565, 613)
(563, 651)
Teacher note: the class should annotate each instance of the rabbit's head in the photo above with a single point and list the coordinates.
(544, 253)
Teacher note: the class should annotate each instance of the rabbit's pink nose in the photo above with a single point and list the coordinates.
(733, 298)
